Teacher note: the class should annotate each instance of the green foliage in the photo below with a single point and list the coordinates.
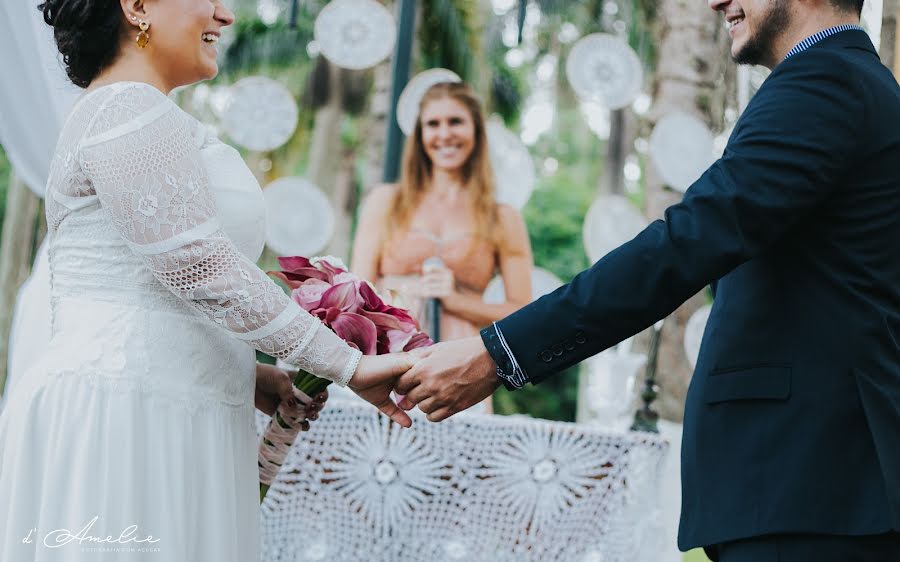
(447, 36)
(555, 399)
(696, 555)
(554, 217)
(257, 44)
(506, 93)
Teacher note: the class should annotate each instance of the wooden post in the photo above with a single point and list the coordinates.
(16, 251)
(896, 44)
(889, 50)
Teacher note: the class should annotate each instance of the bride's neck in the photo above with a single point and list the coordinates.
(131, 66)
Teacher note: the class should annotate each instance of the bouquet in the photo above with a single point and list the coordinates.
(351, 308)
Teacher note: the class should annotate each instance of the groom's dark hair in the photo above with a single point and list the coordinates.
(848, 5)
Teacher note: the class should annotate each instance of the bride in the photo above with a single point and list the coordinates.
(132, 437)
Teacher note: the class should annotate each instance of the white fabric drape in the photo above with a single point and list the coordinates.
(35, 97)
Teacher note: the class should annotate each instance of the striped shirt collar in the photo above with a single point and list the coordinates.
(813, 39)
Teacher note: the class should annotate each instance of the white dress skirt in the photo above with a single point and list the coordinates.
(132, 437)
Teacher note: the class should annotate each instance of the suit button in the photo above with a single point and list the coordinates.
(579, 338)
(546, 356)
(557, 350)
(569, 345)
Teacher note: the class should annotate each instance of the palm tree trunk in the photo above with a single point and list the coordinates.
(376, 135)
(16, 251)
(890, 48)
(692, 47)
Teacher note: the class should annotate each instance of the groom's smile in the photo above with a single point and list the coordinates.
(755, 26)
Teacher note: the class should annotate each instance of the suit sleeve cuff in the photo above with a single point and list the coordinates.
(508, 369)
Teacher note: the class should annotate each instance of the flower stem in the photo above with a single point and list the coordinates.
(308, 384)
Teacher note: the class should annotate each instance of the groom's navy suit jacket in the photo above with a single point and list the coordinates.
(792, 420)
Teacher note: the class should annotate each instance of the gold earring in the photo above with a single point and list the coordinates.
(143, 37)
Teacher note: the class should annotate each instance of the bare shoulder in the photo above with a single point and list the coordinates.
(381, 197)
(513, 234)
(509, 217)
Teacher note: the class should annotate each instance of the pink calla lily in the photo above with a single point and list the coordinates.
(331, 270)
(343, 296)
(358, 330)
(372, 301)
(300, 269)
(385, 321)
(291, 283)
(293, 263)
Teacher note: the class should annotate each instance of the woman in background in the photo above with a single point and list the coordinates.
(444, 207)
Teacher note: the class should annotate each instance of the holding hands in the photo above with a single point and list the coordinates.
(448, 378)
(442, 380)
(375, 378)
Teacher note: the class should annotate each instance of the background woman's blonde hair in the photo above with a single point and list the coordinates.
(477, 174)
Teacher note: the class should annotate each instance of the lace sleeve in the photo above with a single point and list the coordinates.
(140, 155)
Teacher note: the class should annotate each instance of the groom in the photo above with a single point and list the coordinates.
(791, 447)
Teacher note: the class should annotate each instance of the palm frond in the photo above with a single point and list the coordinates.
(257, 44)
(448, 36)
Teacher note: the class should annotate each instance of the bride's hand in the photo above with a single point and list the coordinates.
(374, 380)
(274, 386)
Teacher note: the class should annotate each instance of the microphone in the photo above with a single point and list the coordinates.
(432, 305)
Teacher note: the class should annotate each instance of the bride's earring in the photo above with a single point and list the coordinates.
(143, 37)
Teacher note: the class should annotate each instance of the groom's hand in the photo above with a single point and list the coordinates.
(448, 378)
(374, 380)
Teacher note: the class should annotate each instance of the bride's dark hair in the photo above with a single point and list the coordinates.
(87, 34)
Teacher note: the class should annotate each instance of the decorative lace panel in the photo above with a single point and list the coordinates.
(474, 488)
(138, 153)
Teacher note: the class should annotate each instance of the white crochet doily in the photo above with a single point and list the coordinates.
(513, 167)
(355, 34)
(681, 148)
(474, 488)
(611, 221)
(261, 113)
(603, 68)
(299, 217)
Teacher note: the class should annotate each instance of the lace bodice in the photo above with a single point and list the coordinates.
(131, 180)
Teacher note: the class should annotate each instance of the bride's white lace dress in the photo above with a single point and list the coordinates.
(140, 413)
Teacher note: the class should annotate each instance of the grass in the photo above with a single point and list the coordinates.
(695, 555)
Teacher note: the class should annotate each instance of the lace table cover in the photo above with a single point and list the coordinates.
(473, 488)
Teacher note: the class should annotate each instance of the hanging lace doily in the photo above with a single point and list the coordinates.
(514, 174)
(261, 114)
(542, 283)
(603, 68)
(611, 221)
(299, 217)
(408, 103)
(355, 34)
(474, 488)
(681, 148)
(693, 333)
